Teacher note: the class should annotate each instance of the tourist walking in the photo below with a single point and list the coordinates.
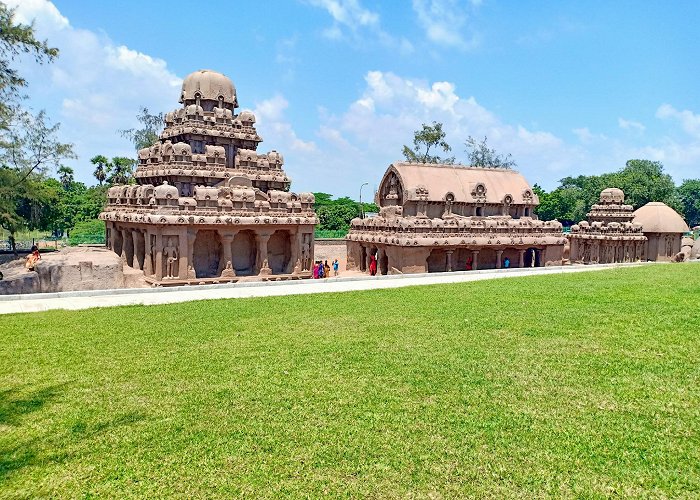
(335, 267)
(372, 265)
(506, 262)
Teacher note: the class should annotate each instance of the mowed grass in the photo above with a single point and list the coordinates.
(572, 385)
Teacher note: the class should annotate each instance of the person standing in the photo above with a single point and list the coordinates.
(326, 270)
(32, 258)
(506, 262)
(336, 265)
(372, 265)
(316, 266)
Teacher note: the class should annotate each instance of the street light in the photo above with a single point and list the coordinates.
(362, 210)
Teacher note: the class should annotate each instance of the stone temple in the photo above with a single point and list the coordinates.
(609, 234)
(436, 218)
(207, 206)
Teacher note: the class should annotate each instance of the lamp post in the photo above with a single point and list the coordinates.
(362, 210)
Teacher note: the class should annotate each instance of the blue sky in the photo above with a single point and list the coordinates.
(339, 86)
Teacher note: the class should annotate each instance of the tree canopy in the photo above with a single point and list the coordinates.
(144, 137)
(480, 155)
(429, 137)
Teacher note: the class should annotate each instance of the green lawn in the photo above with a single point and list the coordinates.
(576, 385)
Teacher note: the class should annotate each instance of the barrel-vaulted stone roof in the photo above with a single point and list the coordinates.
(657, 217)
(466, 184)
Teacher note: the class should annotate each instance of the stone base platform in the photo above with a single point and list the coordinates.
(230, 279)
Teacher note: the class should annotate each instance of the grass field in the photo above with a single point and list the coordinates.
(573, 385)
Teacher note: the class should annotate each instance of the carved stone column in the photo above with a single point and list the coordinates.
(226, 243)
(135, 233)
(475, 257)
(499, 255)
(262, 264)
(147, 258)
(521, 261)
(183, 255)
(159, 254)
(191, 236)
(124, 243)
(449, 260)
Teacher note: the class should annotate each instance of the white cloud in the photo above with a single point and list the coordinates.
(445, 22)
(274, 127)
(95, 87)
(354, 22)
(630, 125)
(689, 121)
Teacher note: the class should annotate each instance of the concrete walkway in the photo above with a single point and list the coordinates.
(107, 298)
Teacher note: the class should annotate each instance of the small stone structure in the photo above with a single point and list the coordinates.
(608, 235)
(207, 207)
(664, 229)
(436, 217)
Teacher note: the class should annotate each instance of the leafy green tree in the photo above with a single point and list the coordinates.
(16, 39)
(335, 215)
(101, 166)
(689, 195)
(66, 176)
(120, 170)
(148, 134)
(480, 155)
(644, 181)
(427, 138)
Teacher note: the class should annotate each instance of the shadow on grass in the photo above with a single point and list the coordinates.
(51, 447)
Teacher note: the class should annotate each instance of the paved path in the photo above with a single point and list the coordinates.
(106, 298)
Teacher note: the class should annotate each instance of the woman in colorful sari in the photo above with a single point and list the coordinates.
(372, 265)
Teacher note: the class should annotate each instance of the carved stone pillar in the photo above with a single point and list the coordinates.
(125, 240)
(475, 257)
(226, 243)
(499, 255)
(148, 257)
(262, 264)
(135, 233)
(521, 261)
(159, 254)
(183, 254)
(449, 260)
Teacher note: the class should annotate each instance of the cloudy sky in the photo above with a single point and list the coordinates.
(339, 86)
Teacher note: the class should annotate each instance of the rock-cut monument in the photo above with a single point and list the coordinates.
(207, 206)
(442, 218)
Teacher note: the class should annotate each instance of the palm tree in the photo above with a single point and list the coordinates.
(121, 170)
(65, 175)
(101, 167)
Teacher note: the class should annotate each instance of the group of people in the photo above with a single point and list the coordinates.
(323, 270)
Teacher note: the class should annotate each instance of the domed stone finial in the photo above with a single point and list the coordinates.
(207, 85)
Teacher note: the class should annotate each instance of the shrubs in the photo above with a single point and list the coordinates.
(90, 232)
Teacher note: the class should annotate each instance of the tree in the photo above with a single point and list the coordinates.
(101, 166)
(644, 181)
(16, 39)
(480, 155)
(689, 194)
(146, 136)
(65, 175)
(430, 136)
(120, 170)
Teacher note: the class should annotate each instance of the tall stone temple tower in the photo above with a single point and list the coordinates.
(207, 206)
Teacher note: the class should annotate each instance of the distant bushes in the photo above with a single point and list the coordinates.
(87, 232)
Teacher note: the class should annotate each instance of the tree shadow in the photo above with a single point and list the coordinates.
(52, 446)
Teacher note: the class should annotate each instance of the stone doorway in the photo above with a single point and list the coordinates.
(279, 252)
(207, 254)
(383, 262)
(532, 257)
(363, 259)
(243, 253)
(437, 261)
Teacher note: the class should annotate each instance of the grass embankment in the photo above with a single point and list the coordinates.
(574, 385)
